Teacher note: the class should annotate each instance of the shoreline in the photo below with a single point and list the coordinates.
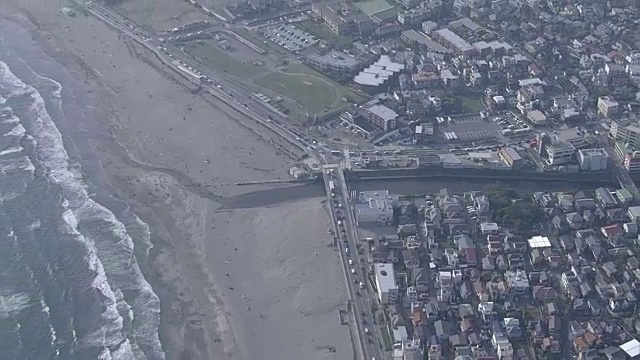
(159, 171)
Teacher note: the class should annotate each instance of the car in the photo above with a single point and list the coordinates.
(366, 331)
(361, 285)
(353, 271)
(350, 262)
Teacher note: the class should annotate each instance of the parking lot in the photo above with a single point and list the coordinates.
(510, 121)
(289, 37)
(468, 128)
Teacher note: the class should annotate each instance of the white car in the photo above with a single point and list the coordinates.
(353, 271)
(350, 262)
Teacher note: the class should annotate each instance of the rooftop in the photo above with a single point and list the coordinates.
(383, 112)
(632, 348)
(385, 276)
(336, 58)
(539, 242)
(424, 40)
(460, 43)
(379, 72)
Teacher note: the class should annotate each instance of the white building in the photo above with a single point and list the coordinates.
(386, 283)
(412, 294)
(559, 153)
(379, 73)
(489, 228)
(629, 134)
(607, 106)
(537, 117)
(375, 207)
(593, 159)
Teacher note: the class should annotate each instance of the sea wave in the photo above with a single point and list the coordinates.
(129, 310)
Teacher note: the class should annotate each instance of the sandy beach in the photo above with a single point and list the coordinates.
(175, 159)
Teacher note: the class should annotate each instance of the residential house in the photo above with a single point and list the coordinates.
(512, 328)
(574, 220)
(443, 329)
(604, 197)
(544, 294)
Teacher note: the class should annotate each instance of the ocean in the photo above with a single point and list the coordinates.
(70, 283)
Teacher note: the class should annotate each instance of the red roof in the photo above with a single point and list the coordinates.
(471, 255)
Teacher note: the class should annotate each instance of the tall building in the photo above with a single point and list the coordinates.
(593, 159)
(542, 141)
(630, 159)
(626, 134)
(607, 106)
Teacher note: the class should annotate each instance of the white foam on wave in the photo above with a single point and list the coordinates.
(12, 303)
(79, 206)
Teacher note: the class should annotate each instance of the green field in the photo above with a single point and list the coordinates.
(211, 55)
(470, 104)
(371, 7)
(309, 91)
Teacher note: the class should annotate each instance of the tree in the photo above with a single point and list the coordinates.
(519, 214)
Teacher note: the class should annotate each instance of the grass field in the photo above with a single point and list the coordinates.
(310, 92)
(218, 59)
(471, 104)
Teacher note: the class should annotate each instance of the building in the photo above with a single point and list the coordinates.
(429, 26)
(379, 74)
(630, 159)
(496, 49)
(616, 74)
(593, 159)
(412, 17)
(539, 242)
(453, 42)
(386, 283)
(381, 117)
(418, 39)
(627, 134)
(559, 153)
(375, 207)
(536, 117)
(607, 107)
(343, 19)
(338, 65)
(511, 157)
(425, 80)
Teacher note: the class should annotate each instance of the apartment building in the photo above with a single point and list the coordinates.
(607, 106)
(343, 19)
(453, 42)
(626, 134)
(630, 159)
(511, 157)
(593, 159)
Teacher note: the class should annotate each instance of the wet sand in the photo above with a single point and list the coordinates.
(175, 158)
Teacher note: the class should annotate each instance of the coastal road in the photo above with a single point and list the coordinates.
(222, 88)
(361, 293)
